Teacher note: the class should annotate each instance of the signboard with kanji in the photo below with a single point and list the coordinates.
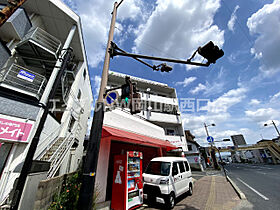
(14, 130)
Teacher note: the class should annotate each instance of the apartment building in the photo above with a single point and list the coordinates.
(160, 106)
(33, 43)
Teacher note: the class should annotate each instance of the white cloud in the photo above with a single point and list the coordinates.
(96, 85)
(275, 98)
(198, 88)
(227, 100)
(187, 81)
(265, 23)
(233, 18)
(96, 17)
(254, 102)
(262, 115)
(178, 27)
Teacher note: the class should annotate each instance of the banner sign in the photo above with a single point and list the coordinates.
(15, 131)
(26, 75)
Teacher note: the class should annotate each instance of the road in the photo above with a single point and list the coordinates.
(259, 183)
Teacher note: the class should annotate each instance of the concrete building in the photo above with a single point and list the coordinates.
(238, 140)
(33, 42)
(193, 154)
(160, 106)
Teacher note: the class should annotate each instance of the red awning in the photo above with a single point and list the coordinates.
(121, 135)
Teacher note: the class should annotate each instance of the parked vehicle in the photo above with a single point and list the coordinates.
(166, 178)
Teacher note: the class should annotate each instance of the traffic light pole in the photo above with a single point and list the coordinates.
(91, 159)
(115, 50)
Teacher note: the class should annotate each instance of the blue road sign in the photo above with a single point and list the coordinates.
(111, 97)
(210, 139)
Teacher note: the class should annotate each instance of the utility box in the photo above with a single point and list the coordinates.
(16, 27)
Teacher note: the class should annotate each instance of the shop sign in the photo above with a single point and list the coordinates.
(15, 131)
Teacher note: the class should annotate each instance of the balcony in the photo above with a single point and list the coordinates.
(39, 48)
(159, 99)
(23, 80)
(162, 117)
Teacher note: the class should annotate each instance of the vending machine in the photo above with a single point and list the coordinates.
(127, 189)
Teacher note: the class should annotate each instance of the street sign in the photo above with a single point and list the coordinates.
(210, 139)
(111, 97)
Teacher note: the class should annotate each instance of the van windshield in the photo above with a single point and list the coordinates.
(158, 168)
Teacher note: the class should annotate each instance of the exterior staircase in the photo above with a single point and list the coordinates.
(57, 152)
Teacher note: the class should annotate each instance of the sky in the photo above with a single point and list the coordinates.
(239, 93)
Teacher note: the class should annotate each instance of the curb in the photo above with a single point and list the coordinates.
(237, 190)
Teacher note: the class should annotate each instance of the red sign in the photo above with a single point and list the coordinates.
(11, 130)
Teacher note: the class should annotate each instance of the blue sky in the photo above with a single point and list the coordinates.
(242, 88)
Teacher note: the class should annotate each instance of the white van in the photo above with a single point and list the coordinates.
(166, 178)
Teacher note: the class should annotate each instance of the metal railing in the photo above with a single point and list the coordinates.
(58, 156)
(49, 141)
(45, 39)
(23, 80)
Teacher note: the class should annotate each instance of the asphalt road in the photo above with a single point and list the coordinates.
(259, 183)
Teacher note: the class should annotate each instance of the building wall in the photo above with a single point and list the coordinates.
(79, 108)
(159, 106)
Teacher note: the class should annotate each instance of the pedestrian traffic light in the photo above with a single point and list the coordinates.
(211, 52)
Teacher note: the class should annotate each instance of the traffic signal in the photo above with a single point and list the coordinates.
(126, 90)
(131, 96)
(211, 52)
(135, 106)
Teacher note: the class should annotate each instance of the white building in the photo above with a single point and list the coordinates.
(160, 106)
(33, 41)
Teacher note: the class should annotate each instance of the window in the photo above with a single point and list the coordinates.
(71, 124)
(175, 169)
(186, 165)
(181, 166)
(85, 74)
(170, 132)
(79, 95)
(158, 168)
(190, 147)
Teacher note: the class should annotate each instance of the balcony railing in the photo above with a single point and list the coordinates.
(39, 44)
(23, 80)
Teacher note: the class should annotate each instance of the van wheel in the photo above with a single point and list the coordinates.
(170, 201)
(190, 192)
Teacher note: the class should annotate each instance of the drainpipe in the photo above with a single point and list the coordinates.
(49, 93)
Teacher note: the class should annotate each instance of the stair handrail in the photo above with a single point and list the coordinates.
(60, 152)
(45, 150)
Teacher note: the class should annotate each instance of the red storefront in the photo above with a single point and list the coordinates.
(116, 142)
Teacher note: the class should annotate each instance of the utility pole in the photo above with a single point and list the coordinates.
(91, 159)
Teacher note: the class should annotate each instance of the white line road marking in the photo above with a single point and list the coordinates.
(265, 198)
(226, 170)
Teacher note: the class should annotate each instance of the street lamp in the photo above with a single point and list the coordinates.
(212, 152)
(205, 126)
(273, 123)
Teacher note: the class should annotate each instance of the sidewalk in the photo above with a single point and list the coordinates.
(210, 192)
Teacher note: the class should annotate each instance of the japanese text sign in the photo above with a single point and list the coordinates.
(14, 130)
